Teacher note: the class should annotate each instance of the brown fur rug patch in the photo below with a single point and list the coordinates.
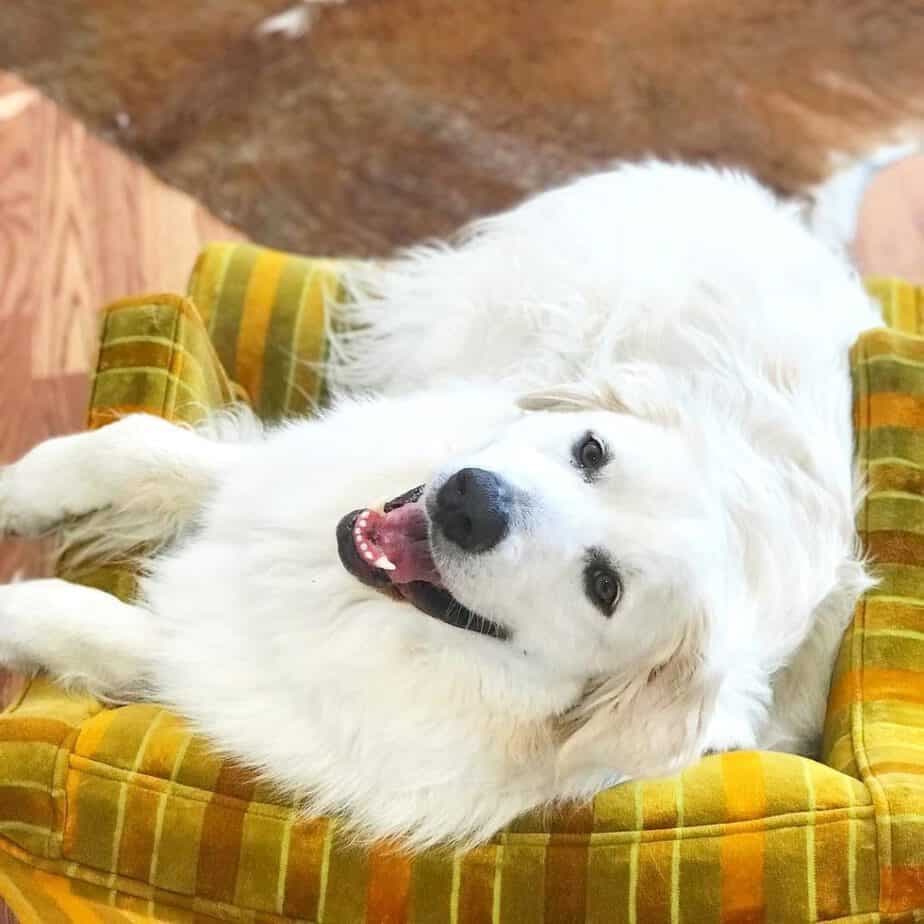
(392, 120)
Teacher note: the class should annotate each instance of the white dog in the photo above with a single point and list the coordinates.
(583, 510)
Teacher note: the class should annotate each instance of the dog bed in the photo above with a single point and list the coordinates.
(121, 814)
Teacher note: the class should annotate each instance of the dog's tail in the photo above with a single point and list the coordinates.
(139, 526)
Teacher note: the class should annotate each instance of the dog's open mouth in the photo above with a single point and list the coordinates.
(390, 551)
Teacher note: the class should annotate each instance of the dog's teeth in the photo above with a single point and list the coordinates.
(369, 555)
(383, 562)
(364, 546)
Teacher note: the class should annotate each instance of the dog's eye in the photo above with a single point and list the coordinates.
(602, 585)
(589, 453)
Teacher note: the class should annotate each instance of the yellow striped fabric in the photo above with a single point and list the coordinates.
(875, 727)
(264, 311)
(124, 815)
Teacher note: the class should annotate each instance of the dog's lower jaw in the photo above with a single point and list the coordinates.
(366, 537)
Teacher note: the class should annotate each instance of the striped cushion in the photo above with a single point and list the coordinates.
(123, 814)
(875, 723)
(264, 311)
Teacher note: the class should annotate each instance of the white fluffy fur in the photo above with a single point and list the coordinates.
(682, 314)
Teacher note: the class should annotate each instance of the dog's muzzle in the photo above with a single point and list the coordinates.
(391, 551)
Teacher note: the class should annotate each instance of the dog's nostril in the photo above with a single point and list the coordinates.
(473, 509)
(461, 478)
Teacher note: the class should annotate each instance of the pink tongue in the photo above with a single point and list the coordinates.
(402, 536)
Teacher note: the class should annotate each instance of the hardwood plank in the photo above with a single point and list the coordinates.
(81, 224)
(18, 238)
(69, 260)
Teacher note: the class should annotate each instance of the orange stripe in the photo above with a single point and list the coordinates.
(892, 409)
(388, 886)
(567, 863)
(44, 731)
(303, 875)
(874, 684)
(28, 805)
(741, 856)
(137, 844)
(654, 892)
(742, 862)
(905, 887)
(255, 318)
(476, 887)
(895, 546)
(93, 732)
(61, 891)
(566, 866)
(222, 831)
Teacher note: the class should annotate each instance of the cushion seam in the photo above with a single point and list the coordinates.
(240, 912)
(86, 766)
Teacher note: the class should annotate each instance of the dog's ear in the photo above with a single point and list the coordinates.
(645, 723)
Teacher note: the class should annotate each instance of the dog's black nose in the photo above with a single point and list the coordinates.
(473, 509)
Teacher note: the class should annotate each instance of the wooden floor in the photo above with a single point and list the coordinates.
(80, 225)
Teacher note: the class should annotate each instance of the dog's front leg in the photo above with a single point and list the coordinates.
(140, 461)
(84, 637)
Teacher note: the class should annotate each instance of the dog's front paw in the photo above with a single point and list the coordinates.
(54, 481)
(10, 516)
(7, 655)
(21, 512)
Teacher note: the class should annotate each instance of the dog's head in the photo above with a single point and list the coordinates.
(637, 536)
(581, 545)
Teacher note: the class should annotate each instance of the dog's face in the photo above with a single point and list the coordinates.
(580, 546)
(582, 536)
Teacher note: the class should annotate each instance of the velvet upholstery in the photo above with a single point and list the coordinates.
(124, 815)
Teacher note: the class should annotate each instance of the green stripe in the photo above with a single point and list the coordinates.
(431, 888)
(197, 376)
(337, 297)
(892, 442)
(893, 511)
(899, 580)
(523, 893)
(305, 385)
(277, 354)
(225, 322)
(135, 383)
(347, 878)
(901, 651)
(215, 258)
(890, 373)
